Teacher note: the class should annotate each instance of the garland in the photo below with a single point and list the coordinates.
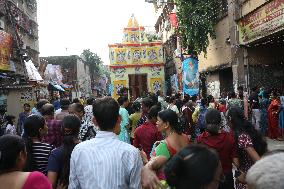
(197, 19)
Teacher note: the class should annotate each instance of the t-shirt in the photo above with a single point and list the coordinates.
(224, 144)
(37, 180)
(41, 152)
(55, 160)
(134, 118)
(145, 136)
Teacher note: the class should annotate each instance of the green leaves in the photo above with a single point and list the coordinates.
(197, 19)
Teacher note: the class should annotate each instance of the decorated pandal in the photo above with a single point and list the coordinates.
(136, 63)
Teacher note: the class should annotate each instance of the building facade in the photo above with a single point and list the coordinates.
(136, 63)
(248, 49)
(70, 73)
(166, 28)
(20, 81)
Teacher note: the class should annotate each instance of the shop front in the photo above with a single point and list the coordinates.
(261, 32)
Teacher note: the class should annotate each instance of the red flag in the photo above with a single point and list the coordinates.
(173, 19)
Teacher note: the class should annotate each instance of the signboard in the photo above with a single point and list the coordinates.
(262, 22)
(190, 76)
(156, 84)
(5, 50)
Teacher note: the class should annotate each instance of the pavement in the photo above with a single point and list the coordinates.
(275, 144)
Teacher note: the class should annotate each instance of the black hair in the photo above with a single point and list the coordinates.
(148, 102)
(121, 100)
(153, 112)
(172, 99)
(136, 106)
(31, 129)
(204, 102)
(240, 88)
(64, 103)
(171, 117)
(27, 104)
(47, 109)
(210, 99)
(90, 101)
(193, 167)
(241, 125)
(9, 119)
(213, 121)
(154, 98)
(76, 100)
(71, 126)
(194, 98)
(232, 94)
(106, 113)
(78, 107)
(168, 98)
(41, 103)
(254, 89)
(10, 148)
(177, 95)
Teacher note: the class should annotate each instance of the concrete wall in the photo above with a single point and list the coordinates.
(213, 85)
(218, 52)
(16, 98)
(250, 5)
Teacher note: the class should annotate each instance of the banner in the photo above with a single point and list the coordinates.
(5, 50)
(156, 84)
(174, 83)
(120, 56)
(117, 86)
(190, 76)
(262, 22)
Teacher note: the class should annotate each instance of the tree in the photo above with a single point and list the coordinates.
(94, 62)
(197, 19)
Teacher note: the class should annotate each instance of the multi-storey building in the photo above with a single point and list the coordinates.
(165, 26)
(247, 50)
(19, 54)
(70, 72)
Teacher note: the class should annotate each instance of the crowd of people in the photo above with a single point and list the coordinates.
(153, 142)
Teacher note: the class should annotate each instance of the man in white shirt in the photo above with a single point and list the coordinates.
(105, 162)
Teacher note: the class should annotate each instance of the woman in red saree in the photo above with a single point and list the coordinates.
(273, 118)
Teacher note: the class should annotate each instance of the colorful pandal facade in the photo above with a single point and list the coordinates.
(136, 63)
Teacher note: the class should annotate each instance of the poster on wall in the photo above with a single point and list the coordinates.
(174, 83)
(190, 76)
(117, 86)
(156, 84)
(5, 50)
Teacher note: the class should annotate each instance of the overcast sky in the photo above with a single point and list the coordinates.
(76, 25)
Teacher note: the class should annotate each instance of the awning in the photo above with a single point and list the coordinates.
(56, 87)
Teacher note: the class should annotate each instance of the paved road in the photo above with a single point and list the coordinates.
(274, 144)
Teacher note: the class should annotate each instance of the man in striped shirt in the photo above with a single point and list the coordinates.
(105, 162)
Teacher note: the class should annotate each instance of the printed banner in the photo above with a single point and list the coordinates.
(120, 56)
(262, 22)
(190, 76)
(156, 84)
(5, 50)
(174, 83)
(117, 86)
(136, 55)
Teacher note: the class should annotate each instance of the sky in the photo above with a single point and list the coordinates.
(67, 27)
